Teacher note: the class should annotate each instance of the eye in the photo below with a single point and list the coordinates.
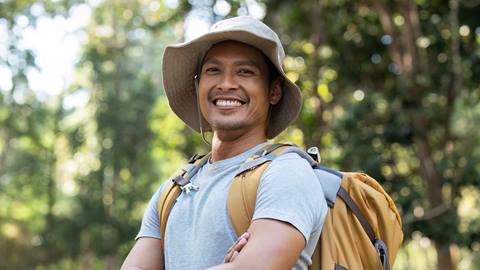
(245, 71)
(212, 69)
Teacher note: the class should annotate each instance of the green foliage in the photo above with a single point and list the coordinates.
(400, 120)
(74, 182)
(400, 103)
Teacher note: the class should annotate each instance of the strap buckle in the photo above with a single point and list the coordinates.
(382, 251)
(188, 188)
(314, 153)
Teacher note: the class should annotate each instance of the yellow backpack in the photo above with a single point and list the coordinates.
(362, 230)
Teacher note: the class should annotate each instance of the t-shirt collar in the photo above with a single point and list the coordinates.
(235, 159)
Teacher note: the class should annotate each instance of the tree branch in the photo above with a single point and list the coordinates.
(414, 59)
(386, 21)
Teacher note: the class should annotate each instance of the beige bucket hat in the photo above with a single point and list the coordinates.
(181, 62)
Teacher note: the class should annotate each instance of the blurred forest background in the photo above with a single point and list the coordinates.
(390, 88)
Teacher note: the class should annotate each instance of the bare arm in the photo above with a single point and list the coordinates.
(146, 254)
(272, 244)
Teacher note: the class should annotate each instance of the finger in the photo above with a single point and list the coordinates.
(229, 254)
(227, 257)
(240, 244)
(230, 249)
(234, 256)
(236, 247)
(243, 236)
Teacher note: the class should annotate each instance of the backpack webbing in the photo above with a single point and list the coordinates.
(173, 190)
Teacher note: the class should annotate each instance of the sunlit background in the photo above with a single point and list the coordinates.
(86, 134)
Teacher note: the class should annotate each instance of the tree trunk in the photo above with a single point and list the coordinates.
(112, 262)
(410, 61)
(444, 257)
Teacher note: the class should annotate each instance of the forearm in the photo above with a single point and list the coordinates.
(225, 266)
(251, 263)
(146, 254)
(241, 264)
(272, 245)
(142, 267)
(131, 267)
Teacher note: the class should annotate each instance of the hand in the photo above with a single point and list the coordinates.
(235, 249)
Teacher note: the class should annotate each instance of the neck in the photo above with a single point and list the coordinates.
(226, 144)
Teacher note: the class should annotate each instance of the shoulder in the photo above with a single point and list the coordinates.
(152, 207)
(290, 157)
(150, 224)
(290, 191)
(290, 172)
(160, 190)
(285, 165)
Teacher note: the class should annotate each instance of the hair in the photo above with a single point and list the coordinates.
(273, 73)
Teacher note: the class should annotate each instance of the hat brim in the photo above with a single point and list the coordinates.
(180, 64)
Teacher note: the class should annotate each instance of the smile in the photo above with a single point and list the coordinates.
(227, 103)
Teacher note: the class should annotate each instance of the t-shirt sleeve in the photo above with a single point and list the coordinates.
(150, 225)
(289, 191)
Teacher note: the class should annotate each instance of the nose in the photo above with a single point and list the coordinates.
(227, 82)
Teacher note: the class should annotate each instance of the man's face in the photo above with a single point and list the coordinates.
(234, 88)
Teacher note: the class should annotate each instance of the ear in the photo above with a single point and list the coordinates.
(275, 93)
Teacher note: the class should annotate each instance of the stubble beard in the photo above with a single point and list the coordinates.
(224, 124)
(233, 125)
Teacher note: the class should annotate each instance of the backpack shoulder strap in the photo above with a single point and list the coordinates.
(243, 190)
(165, 204)
(174, 189)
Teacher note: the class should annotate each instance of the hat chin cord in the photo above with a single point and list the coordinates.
(199, 113)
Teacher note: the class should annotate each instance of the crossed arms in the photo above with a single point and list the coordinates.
(272, 244)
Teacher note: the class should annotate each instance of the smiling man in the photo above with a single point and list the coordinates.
(230, 82)
(235, 93)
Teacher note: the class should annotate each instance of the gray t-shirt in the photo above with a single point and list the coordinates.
(199, 231)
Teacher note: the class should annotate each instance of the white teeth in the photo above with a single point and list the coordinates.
(228, 103)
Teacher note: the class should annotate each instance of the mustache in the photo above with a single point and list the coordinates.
(219, 94)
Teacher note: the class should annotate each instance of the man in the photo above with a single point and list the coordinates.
(230, 81)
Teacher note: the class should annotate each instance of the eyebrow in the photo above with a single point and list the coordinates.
(238, 63)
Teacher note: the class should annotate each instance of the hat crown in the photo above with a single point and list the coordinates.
(251, 25)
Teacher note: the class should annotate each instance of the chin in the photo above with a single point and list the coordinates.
(228, 125)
